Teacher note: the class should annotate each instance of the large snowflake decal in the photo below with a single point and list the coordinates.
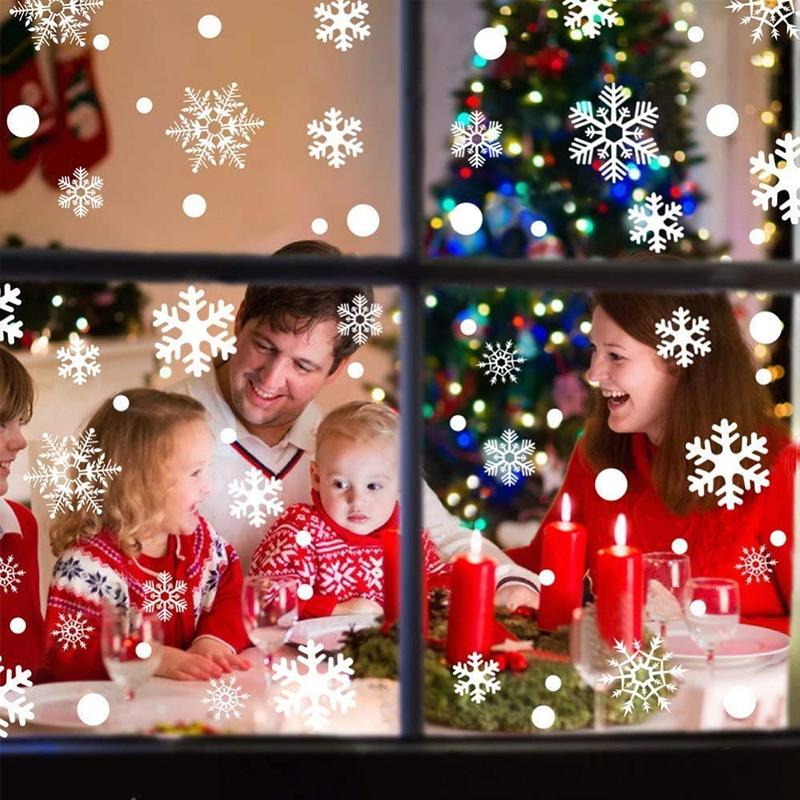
(509, 457)
(194, 331)
(476, 677)
(727, 464)
(477, 138)
(656, 221)
(335, 138)
(256, 497)
(501, 361)
(57, 21)
(683, 337)
(12, 697)
(756, 565)
(72, 631)
(316, 693)
(360, 319)
(787, 175)
(80, 194)
(767, 13)
(73, 472)
(165, 597)
(78, 361)
(342, 22)
(225, 698)
(10, 328)
(643, 675)
(590, 15)
(214, 127)
(613, 133)
(10, 574)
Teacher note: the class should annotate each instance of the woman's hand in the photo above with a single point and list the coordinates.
(186, 666)
(512, 596)
(219, 653)
(358, 605)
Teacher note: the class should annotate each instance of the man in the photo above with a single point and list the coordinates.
(287, 350)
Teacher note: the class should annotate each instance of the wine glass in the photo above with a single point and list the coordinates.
(131, 642)
(712, 612)
(590, 655)
(665, 575)
(269, 608)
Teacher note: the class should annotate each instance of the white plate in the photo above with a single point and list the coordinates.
(328, 631)
(752, 645)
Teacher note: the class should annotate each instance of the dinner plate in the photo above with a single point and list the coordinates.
(328, 631)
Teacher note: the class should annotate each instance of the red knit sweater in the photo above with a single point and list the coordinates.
(717, 539)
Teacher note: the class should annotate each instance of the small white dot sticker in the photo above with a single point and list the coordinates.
(679, 546)
(227, 436)
(543, 717)
(101, 42)
(778, 538)
(552, 683)
(143, 650)
(144, 105)
(17, 625)
(611, 484)
(757, 236)
(209, 26)
(93, 709)
(489, 43)
(303, 538)
(468, 327)
(739, 702)
(539, 228)
(695, 34)
(121, 403)
(458, 422)
(304, 591)
(319, 226)
(722, 120)
(697, 608)
(547, 577)
(363, 220)
(355, 369)
(23, 121)
(194, 205)
(765, 327)
(697, 69)
(466, 219)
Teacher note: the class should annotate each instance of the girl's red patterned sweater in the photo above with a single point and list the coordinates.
(719, 540)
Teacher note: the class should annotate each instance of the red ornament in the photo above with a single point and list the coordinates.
(501, 660)
(524, 611)
(517, 662)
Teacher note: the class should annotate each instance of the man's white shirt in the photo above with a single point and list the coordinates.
(290, 460)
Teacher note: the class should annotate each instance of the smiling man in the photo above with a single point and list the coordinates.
(287, 350)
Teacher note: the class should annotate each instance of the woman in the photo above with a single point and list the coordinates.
(643, 411)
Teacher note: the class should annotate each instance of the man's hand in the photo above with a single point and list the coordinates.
(219, 653)
(358, 605)
(514, 595)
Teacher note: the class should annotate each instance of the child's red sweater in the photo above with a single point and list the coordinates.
(718, 539)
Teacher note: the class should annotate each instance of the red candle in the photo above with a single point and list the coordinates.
(390, 541)
(564, 555)
(619, 589)
(470, 623)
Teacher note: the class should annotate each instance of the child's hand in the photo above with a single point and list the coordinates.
(186, 666)
(219, 653)
(358, 605)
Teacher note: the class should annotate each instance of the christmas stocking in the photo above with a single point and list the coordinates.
(79, 138)
(22, 85)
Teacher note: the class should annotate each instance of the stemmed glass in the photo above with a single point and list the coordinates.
(590, 655)
(712, 612)
(665, 575)
(131, 642)
(269, 608)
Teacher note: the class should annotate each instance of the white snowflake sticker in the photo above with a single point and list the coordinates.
(756, 565)
(72, 631)
(590, 16)
(81, 192)
(786, 173)
(73, 472)
(683, 337)
(215, 127)
(476, 138)
(256, 497)
(194, 331)
(726, 464)
(78, 361)
(342, 22)
(165, 597)
(476, 677)
(655, 222)
(10, 328)
(643, 675)
(508, 457)
(769, 14)
(57, 21)
(10, 574)
(12, 697)
(335, 138)
(613, 135)
(225, 698)
(501, 361)
(314, 693)
(360, 319)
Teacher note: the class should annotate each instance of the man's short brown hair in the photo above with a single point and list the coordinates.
(297, 309)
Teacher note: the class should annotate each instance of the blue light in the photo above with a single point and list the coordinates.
(464, 439)
(478, 62)
(507, 188)
(463, 118)
(455, 248)
(619, 190)
(689, 205)
(540, 333)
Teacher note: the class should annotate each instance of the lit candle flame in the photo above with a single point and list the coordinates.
(621, 531)
(566, 509)
(475, 546)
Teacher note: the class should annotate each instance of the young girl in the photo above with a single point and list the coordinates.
(644, 411)
(355, 482)
(21, 629)
(149, 548)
